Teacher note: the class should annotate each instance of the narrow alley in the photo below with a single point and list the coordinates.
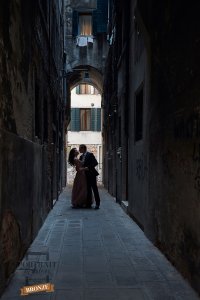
(97, 254)
(100, 93)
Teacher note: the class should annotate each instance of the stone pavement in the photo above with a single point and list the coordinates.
(96, 255)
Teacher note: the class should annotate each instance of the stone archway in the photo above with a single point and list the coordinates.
(86, 111)
(85, 74)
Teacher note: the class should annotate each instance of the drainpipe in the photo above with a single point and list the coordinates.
(127, 101)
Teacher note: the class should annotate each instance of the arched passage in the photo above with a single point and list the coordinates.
(85, 74)
(85, 127)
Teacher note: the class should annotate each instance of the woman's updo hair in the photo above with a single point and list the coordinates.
(71, 156)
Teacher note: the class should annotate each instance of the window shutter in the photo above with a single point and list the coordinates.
(75, 23)
(78, 89)
(100, 17)
(92, 125)
(96, 119)
(75, 119)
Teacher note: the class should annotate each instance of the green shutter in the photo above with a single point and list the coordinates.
(92, 120)
(96, 119)
(100, 17)
(78, 89)
(75, 119)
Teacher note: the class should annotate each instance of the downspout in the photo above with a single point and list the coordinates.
(127, 97)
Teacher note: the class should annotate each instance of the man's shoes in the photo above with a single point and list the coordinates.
(96, 207)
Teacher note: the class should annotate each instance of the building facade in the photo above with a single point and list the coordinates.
(32, 113)
(85, 125)
(86, 46)
(151, 123)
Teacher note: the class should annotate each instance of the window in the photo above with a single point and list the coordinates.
(83, 89)
(86, 89)
(139, 115)
(85, 24)
(85, 118)
(96, 119)
(90, 18)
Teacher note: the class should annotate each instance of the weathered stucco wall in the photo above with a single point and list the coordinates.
(173, 119)
(16, 84)
(92, 56)
(24, 197)
(31, 122)
(163, 166)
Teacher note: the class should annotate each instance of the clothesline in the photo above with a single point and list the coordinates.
(83, 41)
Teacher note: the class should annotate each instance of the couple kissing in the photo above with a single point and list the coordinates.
(85, 181)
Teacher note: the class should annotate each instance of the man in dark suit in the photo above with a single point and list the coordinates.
(90, 162)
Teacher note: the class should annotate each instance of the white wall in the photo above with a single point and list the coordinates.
(84, 137)
(84, 101)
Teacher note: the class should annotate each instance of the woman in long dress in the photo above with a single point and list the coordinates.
(79, 190)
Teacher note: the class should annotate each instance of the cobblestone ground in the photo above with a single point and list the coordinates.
(96, 254)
